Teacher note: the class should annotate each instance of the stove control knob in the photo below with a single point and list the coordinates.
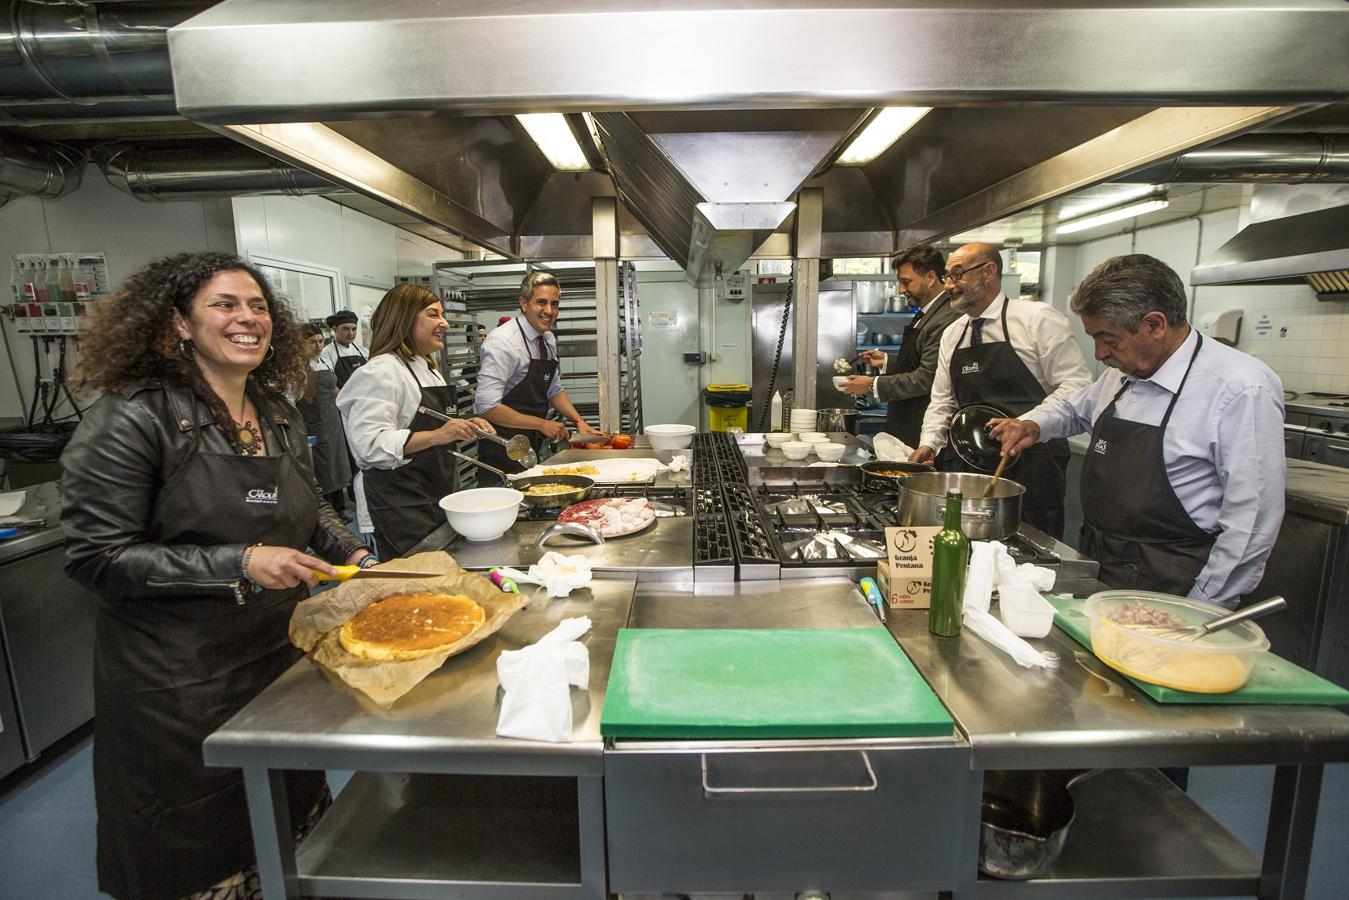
(1325, 425)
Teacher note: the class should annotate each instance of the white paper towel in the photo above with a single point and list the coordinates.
(991, 566)
(537, 681)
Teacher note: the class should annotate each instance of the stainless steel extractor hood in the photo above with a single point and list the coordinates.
(411, 102)
(1297, 234)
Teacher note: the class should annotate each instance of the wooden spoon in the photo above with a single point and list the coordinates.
(1002, 464)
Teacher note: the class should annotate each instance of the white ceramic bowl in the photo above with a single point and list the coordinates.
(777, 438)
(795, 449)
(813, 437)
(482, 514)
(830, 451)
(839, 381)
(670, 437)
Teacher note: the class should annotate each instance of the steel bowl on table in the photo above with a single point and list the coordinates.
(579, 486)
(922, 501)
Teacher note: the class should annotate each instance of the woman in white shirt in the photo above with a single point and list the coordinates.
(403, 454)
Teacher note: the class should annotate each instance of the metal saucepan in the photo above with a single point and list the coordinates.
(831, 420)
(580, 484)
(874, 480)
(518, 449)
(1024, 820)
(922, 501)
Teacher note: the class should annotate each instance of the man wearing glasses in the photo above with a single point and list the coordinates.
(1009, 354)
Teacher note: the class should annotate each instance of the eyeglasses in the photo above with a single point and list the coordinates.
(955, 275)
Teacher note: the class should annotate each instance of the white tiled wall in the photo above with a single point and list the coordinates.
(1308, 345)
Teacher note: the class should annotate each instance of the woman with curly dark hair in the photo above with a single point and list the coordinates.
(188, 504)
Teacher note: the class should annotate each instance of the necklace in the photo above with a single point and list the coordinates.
(247, 434)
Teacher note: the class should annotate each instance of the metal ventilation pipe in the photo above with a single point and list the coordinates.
(1254, 158)
(88, 54)
(32, 169)
(196, 170)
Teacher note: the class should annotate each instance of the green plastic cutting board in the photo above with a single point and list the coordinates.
(766, 683)
(1273, 678)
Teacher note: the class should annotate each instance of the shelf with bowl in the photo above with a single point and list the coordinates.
(886, 315)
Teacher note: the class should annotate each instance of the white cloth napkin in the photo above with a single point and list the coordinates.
(680, 461)
(558, 574)
(992, 566)
(537, 682)
(890, 448)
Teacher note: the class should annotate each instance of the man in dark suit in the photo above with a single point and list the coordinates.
(906, 377)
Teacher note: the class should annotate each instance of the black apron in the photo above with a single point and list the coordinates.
(994, 375)
(343, 366)
(1134, 524)
(404, 503)
(324, 423)
(530, 397)
(170, 671)
(904, 418)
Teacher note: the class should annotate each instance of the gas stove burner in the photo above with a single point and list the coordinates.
(806, 505)
(830, 545)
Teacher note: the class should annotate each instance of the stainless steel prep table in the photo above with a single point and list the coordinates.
(1083, 715)
(402, 827)
(783, 816)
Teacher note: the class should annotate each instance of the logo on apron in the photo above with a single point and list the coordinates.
(1100, 446)
(970, 369)
(261, 495)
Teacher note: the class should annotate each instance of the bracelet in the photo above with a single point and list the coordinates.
(248, 555)
(368, 561)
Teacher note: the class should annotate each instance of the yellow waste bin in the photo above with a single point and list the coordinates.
(727, 406)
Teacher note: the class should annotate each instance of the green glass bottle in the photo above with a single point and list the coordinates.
(950, 561)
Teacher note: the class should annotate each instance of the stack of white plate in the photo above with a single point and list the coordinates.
(803, 420)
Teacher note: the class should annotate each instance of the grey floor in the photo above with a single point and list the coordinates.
(47, 823)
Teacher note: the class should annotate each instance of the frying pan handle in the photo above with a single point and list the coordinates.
(715, 791)
(572, 528)
(482, 465)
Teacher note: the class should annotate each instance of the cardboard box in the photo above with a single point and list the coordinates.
(905, 577)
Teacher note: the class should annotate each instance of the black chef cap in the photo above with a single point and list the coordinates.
(342, 317)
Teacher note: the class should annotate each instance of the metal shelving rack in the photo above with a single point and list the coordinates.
(630, 342)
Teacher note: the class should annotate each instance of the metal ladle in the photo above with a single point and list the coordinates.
(517, 448)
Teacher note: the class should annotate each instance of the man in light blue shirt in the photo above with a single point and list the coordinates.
(1183, 480)
(518, 377)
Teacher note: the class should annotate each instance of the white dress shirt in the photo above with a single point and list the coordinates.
(378, 405)
(1223, 450)
(1041, 338)
(332, 351)
(504, 361)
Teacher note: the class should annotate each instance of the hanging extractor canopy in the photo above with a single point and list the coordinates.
(1297, 234)
(710, 115)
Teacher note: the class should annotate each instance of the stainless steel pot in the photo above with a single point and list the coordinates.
(828, 420)
(870, 297)
(922, 501)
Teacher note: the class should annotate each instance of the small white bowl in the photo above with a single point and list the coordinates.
(840, 380)
(830, 451)
(670, 437)
(795, 449)
(813, 437)
(777, 438)
(482, 514)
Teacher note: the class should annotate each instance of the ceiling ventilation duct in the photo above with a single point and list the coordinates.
(1298, 234)
(64, 61)
(1256, 158)
(32, 169)
(203, 170)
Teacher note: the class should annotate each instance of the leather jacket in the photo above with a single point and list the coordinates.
(115, 467)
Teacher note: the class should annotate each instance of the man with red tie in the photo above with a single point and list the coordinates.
(518, 380)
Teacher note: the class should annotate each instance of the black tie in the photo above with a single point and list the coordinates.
(543, 348)
(977, 333)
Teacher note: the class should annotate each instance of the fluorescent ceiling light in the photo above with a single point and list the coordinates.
(553, 136)
(1074, 207)
(1114, 215)
(888, 126)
